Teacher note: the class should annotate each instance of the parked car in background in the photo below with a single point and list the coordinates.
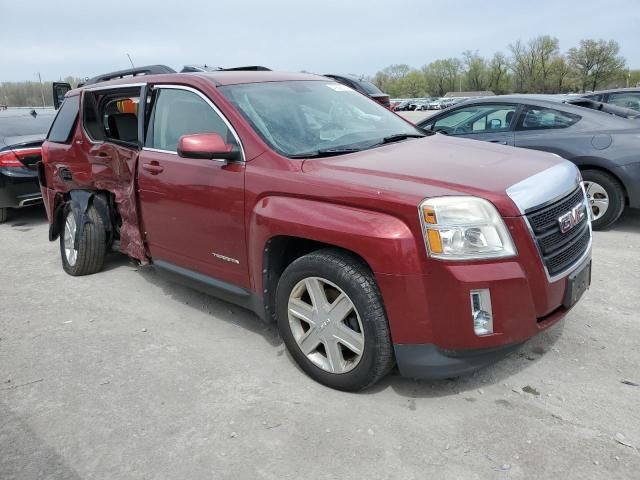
(605, 147)
(367, 241)
(621, 97)
(402, 106)
(451, 101)
(435, 104)
(360, 84)
(423, 104)
(21, 134)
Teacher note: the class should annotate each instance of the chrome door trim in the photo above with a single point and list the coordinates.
(161, 86)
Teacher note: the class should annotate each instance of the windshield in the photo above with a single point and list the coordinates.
(302, 117)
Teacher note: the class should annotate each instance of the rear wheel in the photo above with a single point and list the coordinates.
(332, 320)
(85, 256)
(3, 215)
(606, 198)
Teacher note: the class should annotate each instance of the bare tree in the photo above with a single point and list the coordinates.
(476, 70)
(542, 51)
(498, 73)
(596, 62)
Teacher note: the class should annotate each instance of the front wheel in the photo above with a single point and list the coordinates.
(332, 320)
(82, 248)
(606, 198)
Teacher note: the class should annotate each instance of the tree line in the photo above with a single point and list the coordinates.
(536, 66)
(30, 94)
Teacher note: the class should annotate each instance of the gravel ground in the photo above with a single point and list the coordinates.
(122, 375)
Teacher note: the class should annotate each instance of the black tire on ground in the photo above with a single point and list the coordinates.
(615, 192)
(351, 275)
(92, 244)
(3, 215)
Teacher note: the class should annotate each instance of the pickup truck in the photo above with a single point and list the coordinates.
(369, 242)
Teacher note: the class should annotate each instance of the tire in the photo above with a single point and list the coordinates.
(3, 215)
(92, 244)
(601, 186)
(365, 325)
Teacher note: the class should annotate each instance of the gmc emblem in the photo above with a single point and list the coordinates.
(572, 218)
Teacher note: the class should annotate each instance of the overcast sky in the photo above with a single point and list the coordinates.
(85, 38)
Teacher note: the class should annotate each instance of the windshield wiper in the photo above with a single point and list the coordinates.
(325, 152)
(401, 136)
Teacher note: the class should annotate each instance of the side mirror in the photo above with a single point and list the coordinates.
(209, 146)
(60, 89)
(495, 124)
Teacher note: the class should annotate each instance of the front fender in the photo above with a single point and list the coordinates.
(385, 242)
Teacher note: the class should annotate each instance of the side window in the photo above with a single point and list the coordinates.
(62, 127)
(477, 119)
(180, 112)
(453, 119)
(540, 118)
(112, 115)
(625, 99)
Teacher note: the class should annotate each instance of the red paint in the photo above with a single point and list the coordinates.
(365, 202)
(202, 145)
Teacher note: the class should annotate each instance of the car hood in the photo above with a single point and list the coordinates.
(438, 165)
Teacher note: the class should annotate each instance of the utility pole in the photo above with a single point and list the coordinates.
(132, 65)
(41, 90)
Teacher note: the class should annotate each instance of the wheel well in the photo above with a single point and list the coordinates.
(103, 200)
(279, 253)
(608, 172)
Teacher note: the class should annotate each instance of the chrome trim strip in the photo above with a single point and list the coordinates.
(30, 201)
(211, 104)
(114, 87)
(545, 187)
(158, 150)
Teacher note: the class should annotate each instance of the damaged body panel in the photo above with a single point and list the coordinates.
(97, 166)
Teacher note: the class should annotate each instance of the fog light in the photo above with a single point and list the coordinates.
(481, 312)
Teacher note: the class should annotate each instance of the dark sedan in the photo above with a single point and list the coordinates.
(21, 134)
(363, 86)
(605, 147)
(621, 97)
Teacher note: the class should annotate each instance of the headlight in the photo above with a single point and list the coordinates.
(464, 228)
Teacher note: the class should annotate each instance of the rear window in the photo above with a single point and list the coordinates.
(369, 87)
(538, 118)
(64, 122)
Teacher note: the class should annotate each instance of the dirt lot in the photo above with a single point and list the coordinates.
(123, 375)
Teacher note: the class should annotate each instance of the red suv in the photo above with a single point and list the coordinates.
(369, 242)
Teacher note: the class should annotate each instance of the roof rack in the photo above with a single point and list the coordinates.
(130, 72)
(160, 69)
(207, 68)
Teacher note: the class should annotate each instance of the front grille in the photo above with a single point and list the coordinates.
(559, 250)
(544, 218)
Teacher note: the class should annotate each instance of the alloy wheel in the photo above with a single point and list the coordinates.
(70, 252)
(326, 325)
(598, 199)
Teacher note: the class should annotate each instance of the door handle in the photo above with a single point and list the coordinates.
(501, 142)
(102, 157)
(153, 167)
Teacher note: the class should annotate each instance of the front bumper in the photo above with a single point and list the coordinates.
(19, 188)
(428, 362)
(435, 338)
